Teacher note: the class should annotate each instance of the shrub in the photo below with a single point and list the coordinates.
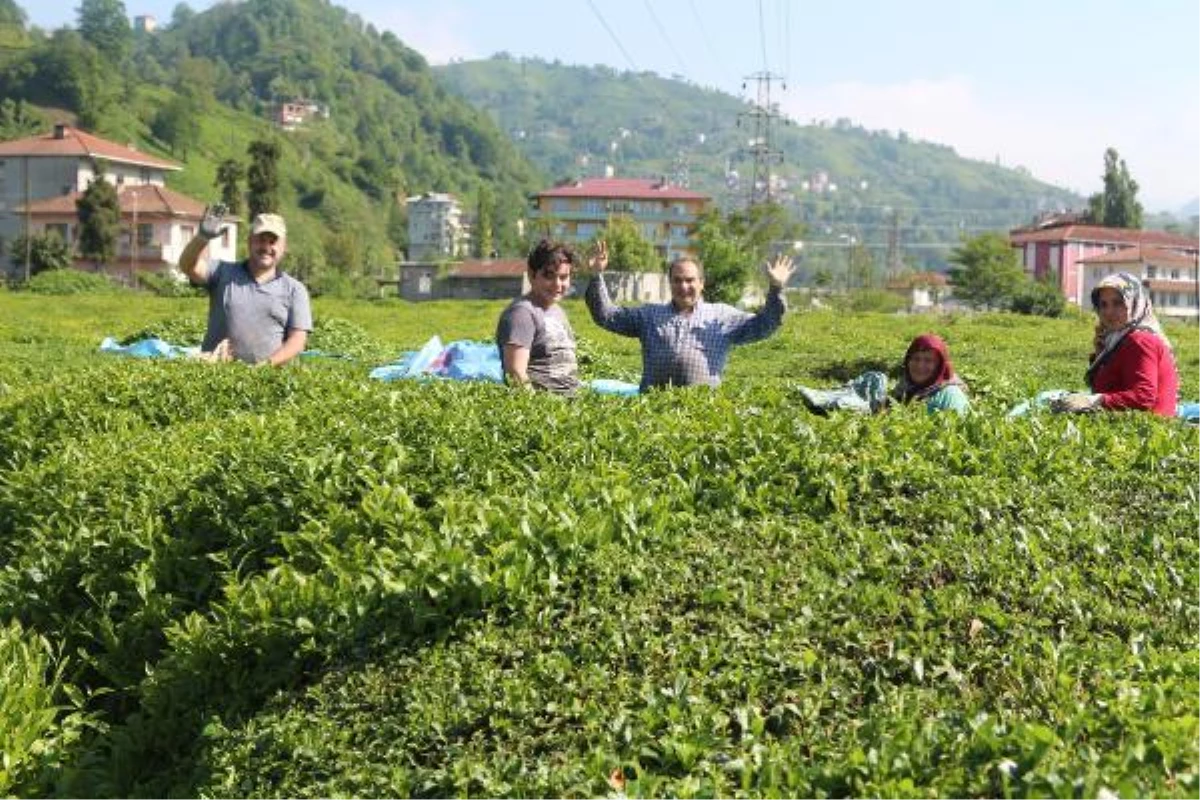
(70, 281)
(167, 286)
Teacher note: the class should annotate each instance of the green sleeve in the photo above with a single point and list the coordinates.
(950, 398)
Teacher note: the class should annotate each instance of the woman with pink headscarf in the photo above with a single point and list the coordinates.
(929, 376)
(1132, 366)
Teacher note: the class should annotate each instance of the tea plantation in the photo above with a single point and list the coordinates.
(224, 581)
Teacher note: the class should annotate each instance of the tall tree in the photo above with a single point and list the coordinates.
(230, 173)
(725, 258)
(99, 220)
(105, 25)
(1117, 206)
(485, 221)
(988, 274)
(262, 177)
(628, 251)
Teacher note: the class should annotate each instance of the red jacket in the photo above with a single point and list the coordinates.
(1140, 374)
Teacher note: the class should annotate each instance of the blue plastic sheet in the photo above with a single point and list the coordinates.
(607, 386)
(462, 360)
(147, 348)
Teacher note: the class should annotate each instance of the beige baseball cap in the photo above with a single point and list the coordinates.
(269, 223)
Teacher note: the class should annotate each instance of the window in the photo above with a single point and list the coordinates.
(188, 232)
(59, 228)
(559, 206)
(1174, 274)
(1151, 271)
(145, 234)
(595, 207)
(225, 236)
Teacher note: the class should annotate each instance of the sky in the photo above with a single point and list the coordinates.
(1044, 84)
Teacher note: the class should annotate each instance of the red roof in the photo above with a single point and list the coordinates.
(1140, 254)
(148, 200)
(508, 268)
(1103, 235)
(623, 188)
(74, 142)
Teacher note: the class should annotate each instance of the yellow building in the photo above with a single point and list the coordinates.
(666, 215)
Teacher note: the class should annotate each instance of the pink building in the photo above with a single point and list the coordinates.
(1057, 249)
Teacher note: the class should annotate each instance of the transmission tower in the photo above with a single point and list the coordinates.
(760, 146)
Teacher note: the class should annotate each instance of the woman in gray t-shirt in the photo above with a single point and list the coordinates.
(537, 345)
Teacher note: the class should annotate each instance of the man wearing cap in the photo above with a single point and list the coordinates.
(256, 312)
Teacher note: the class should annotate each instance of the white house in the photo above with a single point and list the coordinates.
(41, 177)
(1170, 275)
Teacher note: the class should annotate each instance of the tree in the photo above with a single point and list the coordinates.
(99, 220)
(731, 250)
(181, 15)
(1117, 206)
(262, 177)
(47, 251)
(988, 274)
(725, 259)
(627, 250)
(105, 25)
(12, 26)
(485, 221)
(230, 173)
(18, 119)
(175, 124)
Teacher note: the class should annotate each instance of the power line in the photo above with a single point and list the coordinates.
(704, 35)
(663, 32)
(762, 35)
(617, 41)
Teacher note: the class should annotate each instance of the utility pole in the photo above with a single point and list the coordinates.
(28, 230)
(893, 247)
(759, 146)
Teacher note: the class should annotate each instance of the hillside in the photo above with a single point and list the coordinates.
(201, 89)
(573, 120)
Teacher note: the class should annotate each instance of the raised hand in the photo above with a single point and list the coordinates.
(213, 223)
(598, 259)
(779, 270)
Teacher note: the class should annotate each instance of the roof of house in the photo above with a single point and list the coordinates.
(1140, 254)
(623, 188)
(147, 200)
(1103, 235)
(504, 268)
(74, 142)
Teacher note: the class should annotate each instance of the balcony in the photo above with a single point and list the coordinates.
(670, 216)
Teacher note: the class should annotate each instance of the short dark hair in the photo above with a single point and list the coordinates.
(548, 253)
(685, 260)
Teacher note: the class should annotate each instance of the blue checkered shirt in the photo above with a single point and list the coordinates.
(684, 349)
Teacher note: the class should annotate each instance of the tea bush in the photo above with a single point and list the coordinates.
(302, 582)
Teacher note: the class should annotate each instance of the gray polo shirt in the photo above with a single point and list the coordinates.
(254, 317)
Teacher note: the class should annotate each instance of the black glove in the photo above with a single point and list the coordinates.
(213, 224)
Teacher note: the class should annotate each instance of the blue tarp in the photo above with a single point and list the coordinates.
(147, 348)
(466, 360)
(462, 360)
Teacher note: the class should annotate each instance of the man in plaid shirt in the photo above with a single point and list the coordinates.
(686, 342)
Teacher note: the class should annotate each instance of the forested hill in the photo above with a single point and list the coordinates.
(203, 87)
(574, 121)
